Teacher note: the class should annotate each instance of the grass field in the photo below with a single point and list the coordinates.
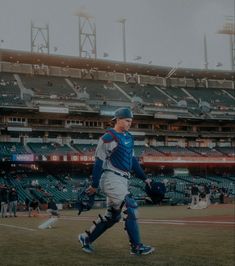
(180, 236)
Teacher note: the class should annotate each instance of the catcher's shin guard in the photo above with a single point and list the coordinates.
(111, 217)
(131, 224)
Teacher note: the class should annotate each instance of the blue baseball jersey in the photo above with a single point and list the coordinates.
(115, 152)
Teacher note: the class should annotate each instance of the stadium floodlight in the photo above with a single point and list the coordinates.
(123, 22)
(86, 34)
(82, 13)
(229, 29)
(39, 38)
(205, 51)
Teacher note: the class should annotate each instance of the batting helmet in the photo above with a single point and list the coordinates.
(156, 191)
(123, 113)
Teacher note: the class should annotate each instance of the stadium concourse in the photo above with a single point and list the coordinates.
(55, 108)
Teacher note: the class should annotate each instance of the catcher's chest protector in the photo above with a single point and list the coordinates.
(121, 156)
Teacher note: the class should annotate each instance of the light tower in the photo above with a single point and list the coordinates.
(205, 52)
(123, 22)
(40, 39)
(86, 34)
(229, 29)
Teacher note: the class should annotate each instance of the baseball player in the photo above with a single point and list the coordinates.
(113, 164)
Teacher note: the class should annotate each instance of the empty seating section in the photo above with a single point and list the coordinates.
(85, 149)
(175, 93)
(175, 150)
(178, 188)
(8, 85)
(9, 91)
(11, 101)
(216, 97)
(147, 93)
(18, 184)
(99, 90)
(50, 148)
(204, 151)
(48, 86)
(144, 150)
(61, 192)
(9, 148)
(229, 151)
(136, 187)
(228, 100)
(59, 88)
(42, 186)
(178, 94)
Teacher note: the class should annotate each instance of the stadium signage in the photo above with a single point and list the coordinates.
(21, 129)
(50, 109)
(87, 159)
(82, 158)
(23, 157)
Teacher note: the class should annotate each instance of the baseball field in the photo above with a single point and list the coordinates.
(181, 236)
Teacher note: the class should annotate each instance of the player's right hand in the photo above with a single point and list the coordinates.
(91, 190)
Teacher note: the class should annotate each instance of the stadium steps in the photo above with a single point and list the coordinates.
(23, 90)
(72, 87)
(231, 178)
(39, 195)
(190, 95)
(166, 94)
(187, 180)
(212, 179)
(27, 148)
(72, 148)
(123, 92)
(229, 95)
(22, 192)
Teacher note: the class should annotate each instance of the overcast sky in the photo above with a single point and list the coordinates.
(165, 32)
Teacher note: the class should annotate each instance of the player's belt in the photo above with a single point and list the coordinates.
(127, 176)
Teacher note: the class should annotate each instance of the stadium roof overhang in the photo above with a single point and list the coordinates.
(23, 57)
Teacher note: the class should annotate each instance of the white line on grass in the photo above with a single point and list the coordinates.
(153, 221)
(161, 222)
(18, 227)
(197, 221)
(85, 218)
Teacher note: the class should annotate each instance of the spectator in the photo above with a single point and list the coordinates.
(52, 208)
(208, 194)
(13, 199)
(34, 208)
(222, 194)
(194, 195)
(4, 194)
(27, 204)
